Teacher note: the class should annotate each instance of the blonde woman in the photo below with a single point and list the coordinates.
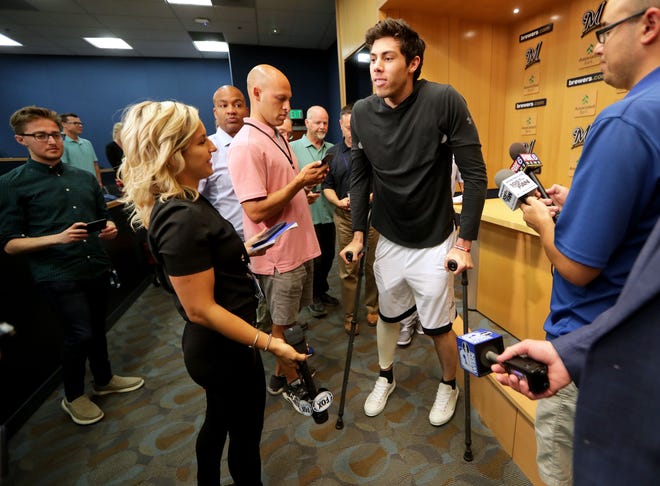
(205, 264)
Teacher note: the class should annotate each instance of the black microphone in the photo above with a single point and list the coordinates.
(478, 349)
(514, 187)
(529, 163)
(321, 398)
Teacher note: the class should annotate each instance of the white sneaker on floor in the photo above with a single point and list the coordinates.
(377, 399)
(444, 405)
(405, 335)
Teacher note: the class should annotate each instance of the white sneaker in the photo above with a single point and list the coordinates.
(377, 399)
(444, 405)
(405, 335)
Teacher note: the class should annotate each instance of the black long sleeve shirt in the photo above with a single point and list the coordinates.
(407, 151)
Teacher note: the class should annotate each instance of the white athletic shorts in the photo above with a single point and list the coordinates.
(409, 277)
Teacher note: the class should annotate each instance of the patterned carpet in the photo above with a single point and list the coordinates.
(147, 436)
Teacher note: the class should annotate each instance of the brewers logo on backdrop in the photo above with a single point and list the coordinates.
(591, 19)
(579, 136)
(533, 55)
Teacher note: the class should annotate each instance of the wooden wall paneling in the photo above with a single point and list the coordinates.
(353, 18)
(514, 281)
(552, 78)
(524, 449)
(495, 410)
(492, 139)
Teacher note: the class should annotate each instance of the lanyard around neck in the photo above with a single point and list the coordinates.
(287, 155)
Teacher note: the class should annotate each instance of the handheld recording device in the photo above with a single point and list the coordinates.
(318, 400)
(94, 226)
(478, 349)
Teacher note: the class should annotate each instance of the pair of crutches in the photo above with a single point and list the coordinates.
(452, 265)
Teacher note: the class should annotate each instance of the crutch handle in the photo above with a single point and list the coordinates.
(349, 256)
(452, 265)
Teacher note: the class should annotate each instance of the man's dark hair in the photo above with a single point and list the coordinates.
(410, 43)
(27, 114)
(346, 110)
(65, 116)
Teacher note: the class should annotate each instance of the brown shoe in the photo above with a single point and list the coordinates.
(119, 384)
(347, 327)
(82, 410)
(372, 318)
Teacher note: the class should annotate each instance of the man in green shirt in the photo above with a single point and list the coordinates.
(309, 148)
(44, 208)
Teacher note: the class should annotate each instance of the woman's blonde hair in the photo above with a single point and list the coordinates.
(153, 135)
(116, 129)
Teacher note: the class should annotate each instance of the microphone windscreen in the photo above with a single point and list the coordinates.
(501, 175)
(516, 149)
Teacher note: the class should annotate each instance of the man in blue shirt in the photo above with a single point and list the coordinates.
(44, 206)
(612, 207)
(78, 151)
(229, 109)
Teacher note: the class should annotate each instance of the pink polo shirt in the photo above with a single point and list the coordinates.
(259, 165)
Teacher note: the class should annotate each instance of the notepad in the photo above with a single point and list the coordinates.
(272, 235)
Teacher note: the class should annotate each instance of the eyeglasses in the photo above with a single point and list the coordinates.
(43, 137)
(603, 34)
(73, 123)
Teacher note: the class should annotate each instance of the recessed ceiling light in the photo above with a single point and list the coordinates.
(6, 41)
(364, 57)
(202, 20)
(516, 11)
(201, 3)
(211, 46)
(275, 31)
(108, 42)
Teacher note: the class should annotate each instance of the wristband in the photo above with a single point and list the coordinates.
(462, 248)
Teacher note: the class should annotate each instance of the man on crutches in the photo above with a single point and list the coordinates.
(403, 139)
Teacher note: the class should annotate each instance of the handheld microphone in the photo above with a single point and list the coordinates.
(527, 162)
(478, 349)
(321, 398)
(514, 187)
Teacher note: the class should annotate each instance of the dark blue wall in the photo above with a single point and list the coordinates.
(98, 88)
(313, 74)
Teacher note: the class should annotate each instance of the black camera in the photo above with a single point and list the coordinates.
(528, 369)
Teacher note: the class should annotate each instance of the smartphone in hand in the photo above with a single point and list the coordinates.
(94, 226)
(327, 159)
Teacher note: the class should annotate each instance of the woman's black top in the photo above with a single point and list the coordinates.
(188, 237)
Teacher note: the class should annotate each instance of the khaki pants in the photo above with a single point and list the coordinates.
(348, 274)
(555, 420)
